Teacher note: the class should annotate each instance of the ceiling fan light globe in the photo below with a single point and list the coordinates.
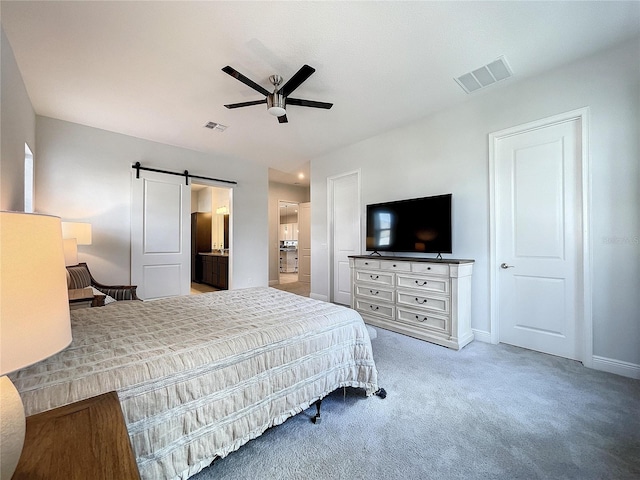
(276, 105)
(276, 111)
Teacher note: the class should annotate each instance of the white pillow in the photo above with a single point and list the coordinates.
(107, 298)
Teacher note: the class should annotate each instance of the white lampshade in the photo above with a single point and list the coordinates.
(70, 251)
(34, 312)
(78, 230)
(34, 304)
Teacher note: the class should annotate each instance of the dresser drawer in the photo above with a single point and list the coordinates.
(429, 302)
(374, 292)
(380, 278)
(379, 309)
(424, 283)
(367, 263)
(430, 268)
(424, 320)
(392, 266)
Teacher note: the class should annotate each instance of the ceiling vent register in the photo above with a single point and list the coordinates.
(484, 76)
(215, 126)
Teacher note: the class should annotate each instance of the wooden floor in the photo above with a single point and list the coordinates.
(288, 277)
(201, 288)
(296, 287)
(288, 282)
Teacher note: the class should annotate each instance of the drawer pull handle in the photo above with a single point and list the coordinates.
(394, 265)
(421, 284)
(366, 263)
(374, 293)
(372, 277)
(428, 268)
(423, 318)
(421, 302)
(374, 307)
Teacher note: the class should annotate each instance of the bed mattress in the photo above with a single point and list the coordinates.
(198, 376)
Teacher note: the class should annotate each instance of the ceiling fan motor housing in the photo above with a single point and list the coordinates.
(276, 104)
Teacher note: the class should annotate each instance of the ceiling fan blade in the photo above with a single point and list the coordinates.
(308, 103)
(295, 81)
(283, 119)
(246, 104)
(238, 76)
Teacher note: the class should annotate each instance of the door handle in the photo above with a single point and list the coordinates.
(505, 266)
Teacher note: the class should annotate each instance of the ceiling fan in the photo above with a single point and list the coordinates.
(279, 99)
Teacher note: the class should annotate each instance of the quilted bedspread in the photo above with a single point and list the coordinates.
(198, 376)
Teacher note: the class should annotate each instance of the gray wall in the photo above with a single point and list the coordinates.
(448, 152)
(85, 174)
(18, 126)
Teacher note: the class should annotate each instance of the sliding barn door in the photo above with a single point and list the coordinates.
(160, 235)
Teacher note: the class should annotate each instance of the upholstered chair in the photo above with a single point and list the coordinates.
(80, 277)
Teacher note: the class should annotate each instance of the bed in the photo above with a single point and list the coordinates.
(199, 376)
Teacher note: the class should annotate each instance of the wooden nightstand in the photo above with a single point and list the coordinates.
(80, 441)
(80, 298)
(84, 298)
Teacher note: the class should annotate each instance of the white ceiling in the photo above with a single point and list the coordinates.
(153, 69)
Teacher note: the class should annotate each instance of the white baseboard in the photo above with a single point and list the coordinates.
(610, 365)
(316, 296)
(626, 369)
(481, 335)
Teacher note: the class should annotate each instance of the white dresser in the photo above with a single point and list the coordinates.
(425, 298)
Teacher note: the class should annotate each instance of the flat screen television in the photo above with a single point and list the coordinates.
(420, 225)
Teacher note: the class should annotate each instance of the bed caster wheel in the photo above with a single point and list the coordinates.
(316, 418)
(382, 393)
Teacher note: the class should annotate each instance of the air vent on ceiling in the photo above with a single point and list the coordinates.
(485, 75)
(215, 126)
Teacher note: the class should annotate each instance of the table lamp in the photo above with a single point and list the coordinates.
(34, 314)
(74, 234)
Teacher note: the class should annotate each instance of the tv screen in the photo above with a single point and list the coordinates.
(417, 225)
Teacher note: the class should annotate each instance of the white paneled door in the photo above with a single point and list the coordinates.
(160, 244)
(345, 232)
(304, 242)
(538, 237)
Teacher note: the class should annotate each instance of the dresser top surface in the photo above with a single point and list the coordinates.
(414, 259)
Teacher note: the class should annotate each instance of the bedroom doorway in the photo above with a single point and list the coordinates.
(304, 243)
(539, 242)
(344, 233)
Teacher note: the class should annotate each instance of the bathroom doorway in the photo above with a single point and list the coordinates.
(288, 241)
(211, 238)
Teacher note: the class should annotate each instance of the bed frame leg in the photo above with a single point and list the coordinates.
(381, 392)
(316, 418)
